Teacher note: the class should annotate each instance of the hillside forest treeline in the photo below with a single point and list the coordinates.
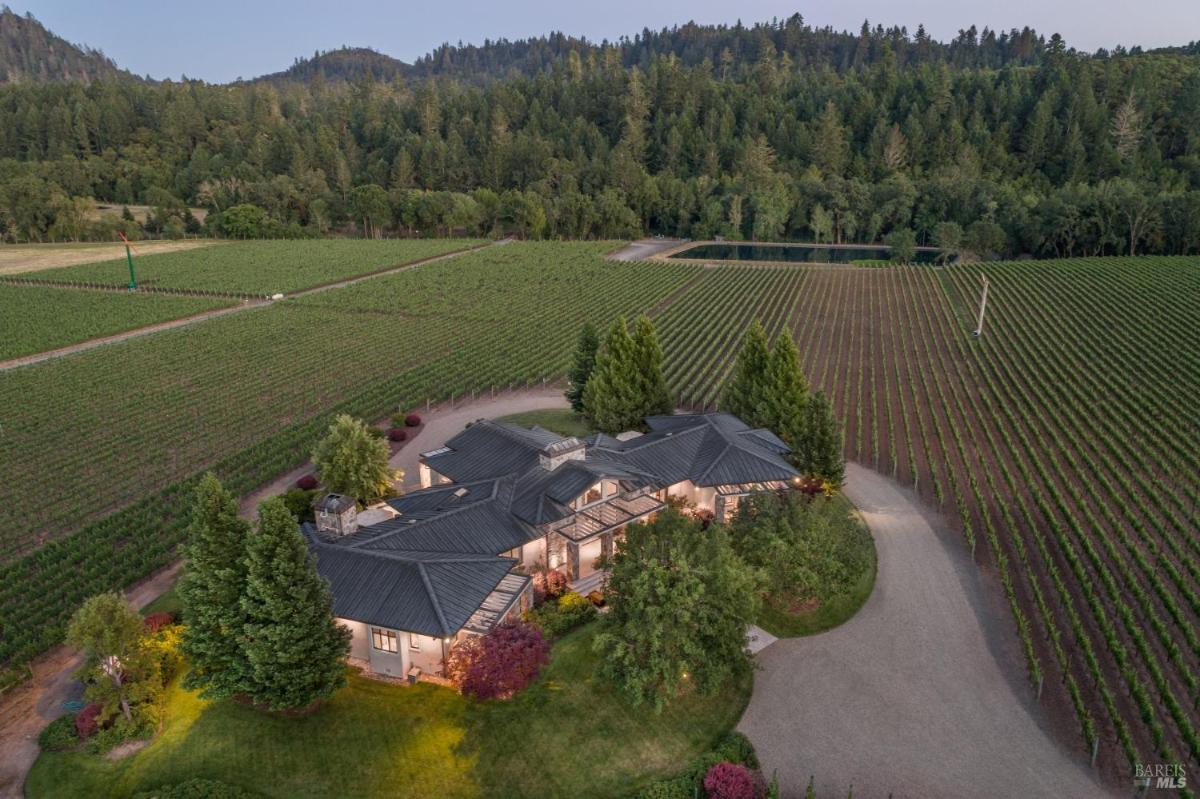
(994, 143)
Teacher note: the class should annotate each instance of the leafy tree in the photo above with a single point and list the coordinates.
(782, 410)
(293, 644)
(985, 238)
(582, 364)
(211, 590)
(612, 399)
(680, 600)
(903, 244)
(120, 672)
(351, 461)
(746, 393)
(499, 664)
(817, 450)
(948, 237)
(370, 204)
(243, 221)
(654, 398)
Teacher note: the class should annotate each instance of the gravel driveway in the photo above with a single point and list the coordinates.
(908, 699)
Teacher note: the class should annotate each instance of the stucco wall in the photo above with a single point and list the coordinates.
(359, 640)
(533, 554)
(703, 498)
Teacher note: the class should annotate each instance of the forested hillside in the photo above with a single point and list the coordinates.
(29, 52)
(993, 143)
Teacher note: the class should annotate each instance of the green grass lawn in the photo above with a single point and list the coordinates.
(775, 618)
(563, 421)
(166, 602)
(568, 735)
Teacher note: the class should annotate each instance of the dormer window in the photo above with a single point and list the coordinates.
(593, 495)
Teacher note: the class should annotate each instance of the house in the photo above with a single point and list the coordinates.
(499, 503)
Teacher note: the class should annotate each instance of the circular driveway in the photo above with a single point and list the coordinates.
(907, 699)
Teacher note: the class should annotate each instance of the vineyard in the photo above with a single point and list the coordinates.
(257, 267)
(1062, 443)
(37, 319)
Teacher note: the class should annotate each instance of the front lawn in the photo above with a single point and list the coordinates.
(563, 421)
(569, 734)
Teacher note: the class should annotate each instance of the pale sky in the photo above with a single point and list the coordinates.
(219, 40)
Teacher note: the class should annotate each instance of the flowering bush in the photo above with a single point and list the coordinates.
(156, 621)
(728, 780)
(500, 663)
(560, 617)
(307, 483)
(88, 720)
(549, 584)
(412, 420)
(397, 434)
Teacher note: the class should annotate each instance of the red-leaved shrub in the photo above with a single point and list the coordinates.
(156, 621)
(549, 585)
(308, 482)
(397, 434)
(87, 720)
(731, 781)
(412, 420)
(499, 664)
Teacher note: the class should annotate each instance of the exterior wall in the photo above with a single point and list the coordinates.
(704, 498)
(587, 556)
(533, 554)
(360, 639)
(392, 664)
(429, 658)
(426, 475)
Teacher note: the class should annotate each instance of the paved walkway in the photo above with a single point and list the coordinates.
(642, 249)
(907, 698)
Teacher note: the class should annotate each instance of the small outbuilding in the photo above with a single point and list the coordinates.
(336, 514)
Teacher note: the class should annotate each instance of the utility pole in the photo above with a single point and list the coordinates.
(982, 308)
(129, 259)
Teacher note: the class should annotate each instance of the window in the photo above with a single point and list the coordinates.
(414, 642)
(384, 640)
(590, 496)
(611, 488)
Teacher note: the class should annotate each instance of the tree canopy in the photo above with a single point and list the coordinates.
(582, 364)
(351, 461)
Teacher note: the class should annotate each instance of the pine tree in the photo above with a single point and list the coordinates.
(817, 451)
(611, 399)
(745, 394)
(211, 590)
(782, 411)
(583, 363)
(648, 357)
(292, 642)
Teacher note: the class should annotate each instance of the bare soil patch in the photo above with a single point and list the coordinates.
(16, 259)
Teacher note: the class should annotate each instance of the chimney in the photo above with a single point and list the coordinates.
(336, 514)
(561, 451)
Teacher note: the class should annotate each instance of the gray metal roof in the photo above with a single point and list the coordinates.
(432, 593)
(334, 503)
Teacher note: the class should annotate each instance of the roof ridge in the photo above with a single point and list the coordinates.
(506, 430)
(396, 524)
(437, 606)
(667, 435)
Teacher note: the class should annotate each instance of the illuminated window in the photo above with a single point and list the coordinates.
(592, 495)
(611, 488)
(414, 642)
(384, 640)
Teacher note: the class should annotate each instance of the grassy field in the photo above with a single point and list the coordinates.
(379, 740)
(1063, 443)
(259, 267)
(18, 259)
(38, 318)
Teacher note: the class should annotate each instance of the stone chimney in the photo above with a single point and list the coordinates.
(336, 515)
(561, 451)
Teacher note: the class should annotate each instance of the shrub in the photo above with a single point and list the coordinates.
(197, 788)
(397, 434)
(59, 735)
(728, 780)
(376, 432)
(307, 483)
(87, 721)
(736, 748)
(500, 663)
(300, 502)
(560, 617)
(677, 788)
(156, 621)
(549, 584)
(412, 420)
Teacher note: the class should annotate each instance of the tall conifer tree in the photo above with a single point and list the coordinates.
(745, 394)
(211, 590)
(612, 398)
(787, 390)
(817, 451)
(293, 644)
(583, 362)
(648, 372)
